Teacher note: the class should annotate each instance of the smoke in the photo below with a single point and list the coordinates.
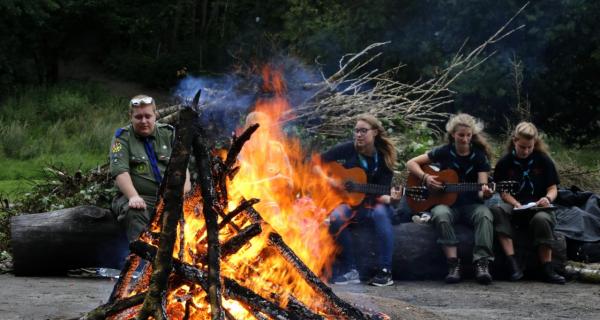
(227, 99)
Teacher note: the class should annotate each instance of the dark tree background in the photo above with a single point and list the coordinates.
(558, 51)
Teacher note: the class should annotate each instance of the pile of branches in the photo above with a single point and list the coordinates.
(356, 89)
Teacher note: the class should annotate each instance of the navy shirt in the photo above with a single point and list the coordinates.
(375, 167)
(467, 168)
(534, 175)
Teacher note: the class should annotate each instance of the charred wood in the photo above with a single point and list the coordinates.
(313, 280)
(244, 205)
(120, 289)
(211, 206)
(106, 310)
(172, 211)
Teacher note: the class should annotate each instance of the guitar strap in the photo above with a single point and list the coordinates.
(525, 171)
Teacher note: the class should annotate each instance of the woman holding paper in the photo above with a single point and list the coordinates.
(527, 161)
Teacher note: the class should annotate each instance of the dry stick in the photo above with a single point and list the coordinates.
(210, 209)
(172, 211)
(111, 308)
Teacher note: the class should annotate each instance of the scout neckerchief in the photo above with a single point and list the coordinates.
(365, 164)
(454, 161)
(526, 170)
(152, 158)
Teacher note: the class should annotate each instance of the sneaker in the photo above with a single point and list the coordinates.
(453, 271)
(382, 278)
(550, 275)
(351, 276)
(422, 219)
(482, 273)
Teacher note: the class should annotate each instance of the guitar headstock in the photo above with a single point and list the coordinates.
(507, 187)
(418, 193)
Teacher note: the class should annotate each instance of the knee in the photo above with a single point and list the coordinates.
(440, 213)
(483, 214)
(540, 220)
(381, 213)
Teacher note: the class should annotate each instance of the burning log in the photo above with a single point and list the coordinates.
(172, 211)
(57, 241)
(314, 281)
(111, 308)
(211, 207)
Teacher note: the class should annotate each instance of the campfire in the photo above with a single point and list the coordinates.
(249, 243)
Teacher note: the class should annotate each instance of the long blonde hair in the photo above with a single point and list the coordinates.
(478, 139)
(527, 130)
(382, 141)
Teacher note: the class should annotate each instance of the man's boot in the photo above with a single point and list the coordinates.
(453, 270)
(482, 273)
(515, 272)
(550, 275)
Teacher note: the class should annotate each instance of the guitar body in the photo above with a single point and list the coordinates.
(433, 198)
(344, 176)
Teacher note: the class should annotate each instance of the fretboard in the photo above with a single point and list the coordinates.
(462, 187)
(369, 188)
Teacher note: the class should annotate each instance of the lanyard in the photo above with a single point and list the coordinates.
(365, 164)
(526, 170)
(455, 164)
(152, 158)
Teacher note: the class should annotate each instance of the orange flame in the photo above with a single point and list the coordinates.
(294, 202)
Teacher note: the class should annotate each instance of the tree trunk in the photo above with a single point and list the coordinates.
(53, 242)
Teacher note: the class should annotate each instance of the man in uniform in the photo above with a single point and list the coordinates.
(139, 155)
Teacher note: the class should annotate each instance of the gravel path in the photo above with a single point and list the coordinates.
(68, 298)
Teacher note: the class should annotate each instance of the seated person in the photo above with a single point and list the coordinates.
(373, 152)
(527, 161)
(139, 155)
(467, 153)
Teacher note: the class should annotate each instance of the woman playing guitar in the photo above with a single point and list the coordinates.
(527, 161)
(467, 152)
(373, 152)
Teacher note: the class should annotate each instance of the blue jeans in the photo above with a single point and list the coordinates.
(343, 216)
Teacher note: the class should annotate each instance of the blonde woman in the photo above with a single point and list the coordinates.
(527, 161)
(466, 152)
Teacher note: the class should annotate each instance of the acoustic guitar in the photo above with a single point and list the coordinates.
(355, 187)
(451, 188)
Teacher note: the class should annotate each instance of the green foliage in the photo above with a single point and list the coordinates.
(67, 117)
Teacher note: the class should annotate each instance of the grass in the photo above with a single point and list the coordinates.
(68, 125)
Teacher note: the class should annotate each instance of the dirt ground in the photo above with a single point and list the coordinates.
(68, 298)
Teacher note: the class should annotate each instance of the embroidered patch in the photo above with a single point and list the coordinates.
(141, 168)
(116, 147)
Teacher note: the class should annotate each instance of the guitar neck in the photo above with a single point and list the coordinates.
(463, 187)
(369, 188)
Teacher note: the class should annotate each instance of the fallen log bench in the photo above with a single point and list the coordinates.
(52, 243)
(417, 256)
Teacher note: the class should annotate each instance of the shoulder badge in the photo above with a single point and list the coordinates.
(116, 147)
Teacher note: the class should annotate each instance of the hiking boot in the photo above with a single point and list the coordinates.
(515, 272)
(453, 271)
(550, 275)
(382, 278)
(348, 277)
(482, 273)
